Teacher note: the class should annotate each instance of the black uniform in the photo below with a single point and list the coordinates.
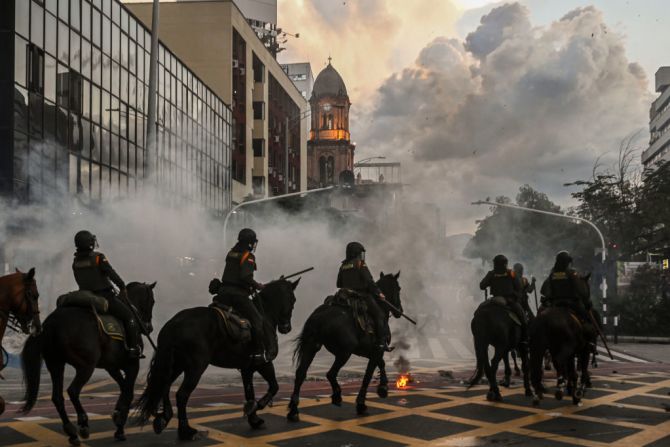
(94, 273)
(355, 275)
(561, 288)
(238, 283)
(507, 285)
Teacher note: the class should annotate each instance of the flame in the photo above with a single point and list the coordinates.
(403, 381)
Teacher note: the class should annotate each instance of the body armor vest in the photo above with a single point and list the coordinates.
(562, 286)
(232, 273)
(502, 284)
(88, 274)
(351, 277)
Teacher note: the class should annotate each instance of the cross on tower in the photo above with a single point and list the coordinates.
(329, 59)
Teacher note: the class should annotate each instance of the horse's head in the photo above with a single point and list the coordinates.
(390, 287)
(278, 301)
(21, 299)
(141, 295)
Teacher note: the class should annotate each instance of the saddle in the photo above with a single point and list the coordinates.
(237, 328)
(109, 325)
(356, 303)
(500, 302)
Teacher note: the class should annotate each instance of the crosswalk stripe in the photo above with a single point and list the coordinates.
(436, 348)
(621, 355)
(462, 350)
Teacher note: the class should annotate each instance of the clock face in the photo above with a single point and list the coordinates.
(326, 107)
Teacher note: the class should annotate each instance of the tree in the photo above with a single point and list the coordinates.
(531, 238)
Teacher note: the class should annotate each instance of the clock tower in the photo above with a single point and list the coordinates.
(329, 149)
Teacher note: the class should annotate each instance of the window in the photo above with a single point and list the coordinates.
(259, 147)
(259, 109)
(51, 38)
(37, 25)
(63, 43)
(20, 61)
(50, 79)
(22, 18)
(35, 69)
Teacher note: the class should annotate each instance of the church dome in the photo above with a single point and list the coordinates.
(329, 83)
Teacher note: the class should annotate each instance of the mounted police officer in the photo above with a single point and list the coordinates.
(505, 283)
(355, 275)
(238, 284)
(561, 288)
(527, 287)
(94, 273)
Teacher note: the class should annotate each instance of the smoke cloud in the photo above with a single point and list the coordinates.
(511, 104)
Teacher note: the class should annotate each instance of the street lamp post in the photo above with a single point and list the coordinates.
(234, 209)
(151, 100)
(603, 253)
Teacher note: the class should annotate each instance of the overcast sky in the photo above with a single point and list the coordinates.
(476, 98)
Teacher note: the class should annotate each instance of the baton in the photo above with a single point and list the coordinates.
(140, 323)
(537, 308)
(296, 273)
(602, 337)
(395, 309)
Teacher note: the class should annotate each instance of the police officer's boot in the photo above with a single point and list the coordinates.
(132, 339)
(258, 355)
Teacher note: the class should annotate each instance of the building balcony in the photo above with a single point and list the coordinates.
(329, 134)
(655, 146)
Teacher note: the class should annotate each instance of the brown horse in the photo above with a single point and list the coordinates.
(18, 307)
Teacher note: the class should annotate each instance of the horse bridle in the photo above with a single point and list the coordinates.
(30, 302)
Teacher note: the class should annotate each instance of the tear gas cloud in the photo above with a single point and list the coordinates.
(181, 247)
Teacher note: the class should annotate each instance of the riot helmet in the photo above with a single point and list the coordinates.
(85, 240)
(500, 263)
(563, 261)
(355, 250)
(247, 238)
(518, 269)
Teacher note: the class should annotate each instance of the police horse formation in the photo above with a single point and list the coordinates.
(220, 335)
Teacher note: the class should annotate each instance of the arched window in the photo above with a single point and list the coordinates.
(324, 122)
(330, 122)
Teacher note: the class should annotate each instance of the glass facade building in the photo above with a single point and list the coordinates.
(73, 104)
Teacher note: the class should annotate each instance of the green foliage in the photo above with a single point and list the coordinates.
(644, 306)
(531, 238)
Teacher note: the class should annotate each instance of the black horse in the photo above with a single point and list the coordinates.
(71, 335)
(193, 340)
(491, 326)
(335, 328)
(560, 332)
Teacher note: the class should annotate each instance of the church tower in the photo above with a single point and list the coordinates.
(329, 149)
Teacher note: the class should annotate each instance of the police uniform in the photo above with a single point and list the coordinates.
(238, 283)
(561, 289)
(94, 273)
(355, 275)
(506, 284)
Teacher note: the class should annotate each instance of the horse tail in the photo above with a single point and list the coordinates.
(158, 383)
(302, 341)
(31, 360)
(482, 355)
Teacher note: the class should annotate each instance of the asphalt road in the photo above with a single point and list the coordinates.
(625, 408)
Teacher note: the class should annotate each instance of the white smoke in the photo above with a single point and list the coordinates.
(512, 104)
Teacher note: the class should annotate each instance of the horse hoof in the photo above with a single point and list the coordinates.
(559, 395)
(70, 430)
(74, 441)
(336, 399)
(159, 425)
(383, 391)
(250, 407)
(536, 401)
(187, 433)
(119, 436)
(547, 367)
(293, 417)
(505, 382)
(528, 393)
(255, 422)
(84, 432)
(497, 397)
(361, 409)
(489, 396)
